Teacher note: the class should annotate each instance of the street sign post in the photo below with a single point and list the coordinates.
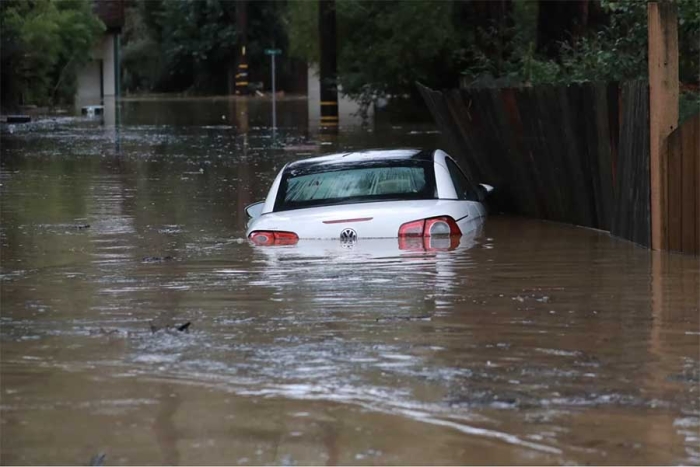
(272, 53)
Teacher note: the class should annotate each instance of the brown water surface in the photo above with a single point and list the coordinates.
(532, 343)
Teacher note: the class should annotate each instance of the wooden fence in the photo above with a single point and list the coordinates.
(577, 154)
(632, 213)
(680, 191)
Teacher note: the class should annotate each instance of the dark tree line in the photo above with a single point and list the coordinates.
(44, 44)
(383, 46)
(192, 46)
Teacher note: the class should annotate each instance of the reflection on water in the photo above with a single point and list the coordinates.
(530, 343)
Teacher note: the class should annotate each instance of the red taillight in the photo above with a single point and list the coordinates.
(443, 225)
(412, 229)
(286, 238)
(269, 237)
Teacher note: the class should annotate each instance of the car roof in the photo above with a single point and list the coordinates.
(345, 158)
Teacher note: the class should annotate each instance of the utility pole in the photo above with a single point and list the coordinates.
(241, 78)
(274, 95)
(273, 53)
(662, 22)
(328, 69)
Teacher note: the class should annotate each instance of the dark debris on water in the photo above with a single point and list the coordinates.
(180, 328)
(98, 459)
(385, 319)
(157, 259)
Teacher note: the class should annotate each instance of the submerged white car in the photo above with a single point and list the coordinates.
(420, 197)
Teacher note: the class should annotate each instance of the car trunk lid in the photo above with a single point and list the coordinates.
(367, 220)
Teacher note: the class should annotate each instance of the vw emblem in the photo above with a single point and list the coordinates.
(348, 236)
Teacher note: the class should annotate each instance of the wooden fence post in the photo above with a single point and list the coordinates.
(662, 22)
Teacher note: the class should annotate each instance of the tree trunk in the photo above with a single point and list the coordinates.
(240, 80)
(328, 66)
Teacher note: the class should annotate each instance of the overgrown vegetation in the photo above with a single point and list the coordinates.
(384, 47)
(44, 44)
(191, 46)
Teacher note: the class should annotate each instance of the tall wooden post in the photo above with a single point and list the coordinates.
(241, 78)
(663, 108)
(328, 72)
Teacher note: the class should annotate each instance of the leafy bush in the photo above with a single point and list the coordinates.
(191, 45)
(616, 51)
(44, 44)
(689, 105)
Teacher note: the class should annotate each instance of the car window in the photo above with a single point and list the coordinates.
(460, 181)
(355, 184)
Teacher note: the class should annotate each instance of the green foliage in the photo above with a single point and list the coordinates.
(191, 45)
(170, 45)
(689, 41)
(616, 51)
(532, 69)
(518, 63)
(384, 50)
(44, 43)
(689, 105)
(302, 29)
(142, 61)
(384, 47)
(199, 36)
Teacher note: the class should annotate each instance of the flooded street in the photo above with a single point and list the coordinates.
(532, 343)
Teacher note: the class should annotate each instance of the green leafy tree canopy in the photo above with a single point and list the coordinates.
(44, 44)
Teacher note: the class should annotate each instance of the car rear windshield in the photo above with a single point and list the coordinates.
(356, 183)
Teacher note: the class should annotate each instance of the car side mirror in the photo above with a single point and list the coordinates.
(254, 210)
(484, 191)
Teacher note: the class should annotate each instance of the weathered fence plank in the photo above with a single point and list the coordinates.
(681, 154)
(552, 151)
(631, 218)
(690, 238)
(519, 156)
(674, 193)
(548, 149)
(606, 147)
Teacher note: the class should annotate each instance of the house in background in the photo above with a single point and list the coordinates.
(98, 81)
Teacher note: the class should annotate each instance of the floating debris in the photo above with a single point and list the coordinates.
(18, 119)
(157, 259)
(180, 328)
(385, 319)
(98, 459)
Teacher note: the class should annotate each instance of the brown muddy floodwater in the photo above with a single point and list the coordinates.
(533, 343)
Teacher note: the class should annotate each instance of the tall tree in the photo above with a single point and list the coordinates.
(192, 43)
(240, 81)
(44, 43)
(328, 67)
